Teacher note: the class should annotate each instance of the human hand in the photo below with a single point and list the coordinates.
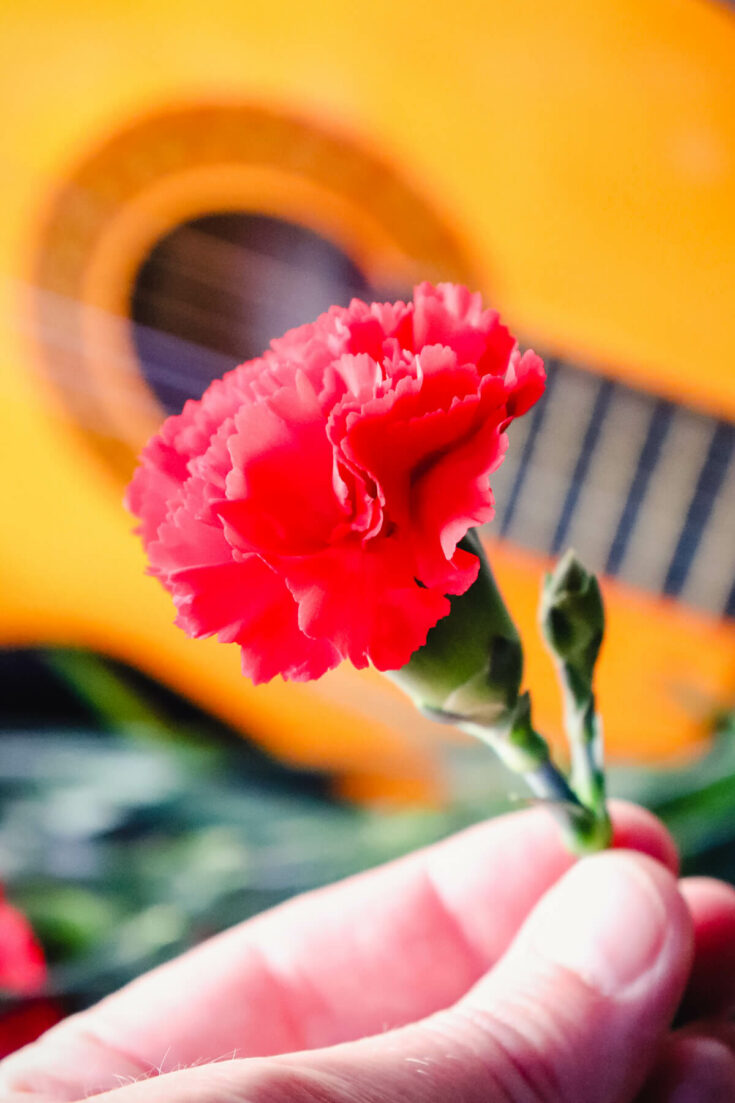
(488, 967)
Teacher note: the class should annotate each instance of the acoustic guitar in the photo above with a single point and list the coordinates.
(180, 184)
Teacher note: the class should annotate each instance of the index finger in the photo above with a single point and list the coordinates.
(373, 952)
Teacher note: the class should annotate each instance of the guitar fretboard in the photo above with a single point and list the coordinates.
(642, 488)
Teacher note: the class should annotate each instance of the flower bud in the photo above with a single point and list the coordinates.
(471, 665)
(572, 615)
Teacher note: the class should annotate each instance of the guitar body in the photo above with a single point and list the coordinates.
(577, 164)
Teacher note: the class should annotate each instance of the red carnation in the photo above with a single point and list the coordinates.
(22, 973)
(308, 507)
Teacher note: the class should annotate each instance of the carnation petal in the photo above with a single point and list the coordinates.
(281, 481)
(365, 603)
(453, 496)
(432, 467)
(310, 505)
(161, 472)
(529, 385)
(247, 603)
(451, 315)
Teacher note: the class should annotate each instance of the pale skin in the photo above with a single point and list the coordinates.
(491, 968)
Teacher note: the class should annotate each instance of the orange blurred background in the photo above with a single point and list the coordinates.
(178, 187)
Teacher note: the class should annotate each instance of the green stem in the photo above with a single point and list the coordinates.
(572, 617)
(469, 673)
(585, 738)
(584, 832)
(548, 783)
(525, 752)
(584, 733)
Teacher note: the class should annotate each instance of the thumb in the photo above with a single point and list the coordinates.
(575, 1012)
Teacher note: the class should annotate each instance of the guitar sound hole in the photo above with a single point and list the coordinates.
(215, 290)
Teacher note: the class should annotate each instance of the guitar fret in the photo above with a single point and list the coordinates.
(504, 478)
(700, 507)
(640, 487)
(584, 459)
(506, 512)
(654, 539)
(550, 468)
(713, 568)
(729, 608)
(658, 427)
(596, 524)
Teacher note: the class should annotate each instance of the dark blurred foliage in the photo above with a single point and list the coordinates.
(138, 826)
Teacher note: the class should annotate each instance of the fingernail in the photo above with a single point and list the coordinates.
(606, 920)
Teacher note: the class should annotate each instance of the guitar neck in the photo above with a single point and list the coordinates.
(642, 487)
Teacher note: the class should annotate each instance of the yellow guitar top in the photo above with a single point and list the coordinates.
(574, 162)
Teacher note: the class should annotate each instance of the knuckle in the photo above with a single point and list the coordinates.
(514, 1046)
(531, 1040)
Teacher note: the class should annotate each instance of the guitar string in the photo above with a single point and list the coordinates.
(711, 475)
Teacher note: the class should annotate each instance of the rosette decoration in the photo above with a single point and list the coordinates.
(317, 504)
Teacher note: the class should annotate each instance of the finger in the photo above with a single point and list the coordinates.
(576, 1012)
(711, 988)
(692, 1068)
(374, 952)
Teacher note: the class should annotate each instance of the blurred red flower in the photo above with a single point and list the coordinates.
(22, 973)
(308, 507)
(25, 1022)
